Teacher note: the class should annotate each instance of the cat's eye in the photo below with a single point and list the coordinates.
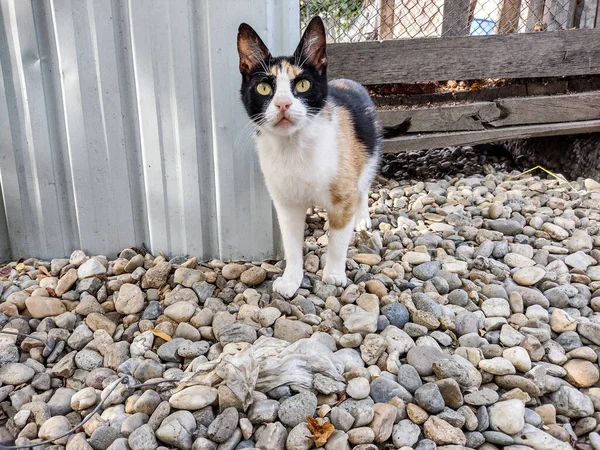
(264, 88)
(303, 86)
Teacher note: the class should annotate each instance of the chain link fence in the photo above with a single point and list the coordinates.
(367, 20)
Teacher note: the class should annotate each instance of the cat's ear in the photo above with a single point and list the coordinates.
(311, 49)
(251, 49)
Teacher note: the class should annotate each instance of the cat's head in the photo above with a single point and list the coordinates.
(281, 94)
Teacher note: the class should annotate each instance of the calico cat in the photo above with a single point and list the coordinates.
(318, 143)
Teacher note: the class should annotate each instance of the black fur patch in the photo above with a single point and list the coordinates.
(316, 97)
(255, 103)
(355, 98)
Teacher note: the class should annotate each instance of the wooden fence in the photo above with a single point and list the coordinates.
(544, 55)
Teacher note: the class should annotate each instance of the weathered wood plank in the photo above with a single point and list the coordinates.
(469, 117)
(499, 113)
(509, 16)
(535, 55)
(456, 18)
(535, 15)
(420, 142)
(560, 14)
(548, 109)
(386, 19)
(589, 14)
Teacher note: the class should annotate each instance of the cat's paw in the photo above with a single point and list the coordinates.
(362, 223)
(285, 286)
(335, 279)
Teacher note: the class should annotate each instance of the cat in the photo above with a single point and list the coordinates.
(318, 143)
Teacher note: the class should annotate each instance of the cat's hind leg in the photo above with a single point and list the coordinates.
(362, 221)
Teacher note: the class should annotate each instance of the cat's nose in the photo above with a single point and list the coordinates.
(283, 104)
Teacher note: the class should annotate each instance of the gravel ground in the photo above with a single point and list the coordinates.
(472, 320)
(444, 162)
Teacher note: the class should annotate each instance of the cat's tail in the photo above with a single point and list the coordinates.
(396, 130)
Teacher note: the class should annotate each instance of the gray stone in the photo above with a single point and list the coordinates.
(296, 409)
(409, 378)
(384, 389)
(143, 439)
(224, 425)
(396, 313)
(429, 398)
(423, 358)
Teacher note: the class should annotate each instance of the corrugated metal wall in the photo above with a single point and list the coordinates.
(120, 124)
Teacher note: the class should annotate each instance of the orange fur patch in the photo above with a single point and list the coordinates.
(292, 70)
(352, 159)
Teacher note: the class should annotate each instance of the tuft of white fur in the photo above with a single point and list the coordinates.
(299, 164)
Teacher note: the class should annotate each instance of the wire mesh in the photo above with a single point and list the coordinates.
(367, 20)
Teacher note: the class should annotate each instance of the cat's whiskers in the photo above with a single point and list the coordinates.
(247, 133)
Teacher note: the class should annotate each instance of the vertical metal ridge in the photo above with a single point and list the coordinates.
(121, 125)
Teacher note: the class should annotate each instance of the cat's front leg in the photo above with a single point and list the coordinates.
(341, 225)
(291, 223)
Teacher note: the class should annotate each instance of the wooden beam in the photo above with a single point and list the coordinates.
(499, 113)
(386, 19)
(509, 16)
(548, 109)
(469, 117)
(438, 140)
(560, 14)
(456, 18)
(589, 14)
(535, 15)
(535, 55)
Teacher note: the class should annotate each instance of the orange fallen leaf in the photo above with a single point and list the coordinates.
(320, 433)
(44, 271)
(161, 334)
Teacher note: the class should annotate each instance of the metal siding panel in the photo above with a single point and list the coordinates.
(30, 183)
(5, 151)
(124, 127)
(246, 219)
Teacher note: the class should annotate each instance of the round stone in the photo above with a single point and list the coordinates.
(507, 416)
(130, 299)
(253, 276)
(529, 276)
(358, 388)
(581, 373)
(15, 374)
(296, 409)
(193, 398)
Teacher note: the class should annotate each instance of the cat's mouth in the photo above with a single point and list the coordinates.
(284, 122)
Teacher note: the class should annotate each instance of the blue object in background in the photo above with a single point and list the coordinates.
(482, 27)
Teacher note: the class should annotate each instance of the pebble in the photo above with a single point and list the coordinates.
(442, 433)
(405, 434)
(507, 416)
(529, 276)
(193, 398)
(296, 409)
(358, 388)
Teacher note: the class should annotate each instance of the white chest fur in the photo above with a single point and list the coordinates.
(299, 168)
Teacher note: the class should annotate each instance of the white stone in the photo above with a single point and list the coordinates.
(539, 440)
(358, 388)
(193, 398)
(507, 416)
(519, 358)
